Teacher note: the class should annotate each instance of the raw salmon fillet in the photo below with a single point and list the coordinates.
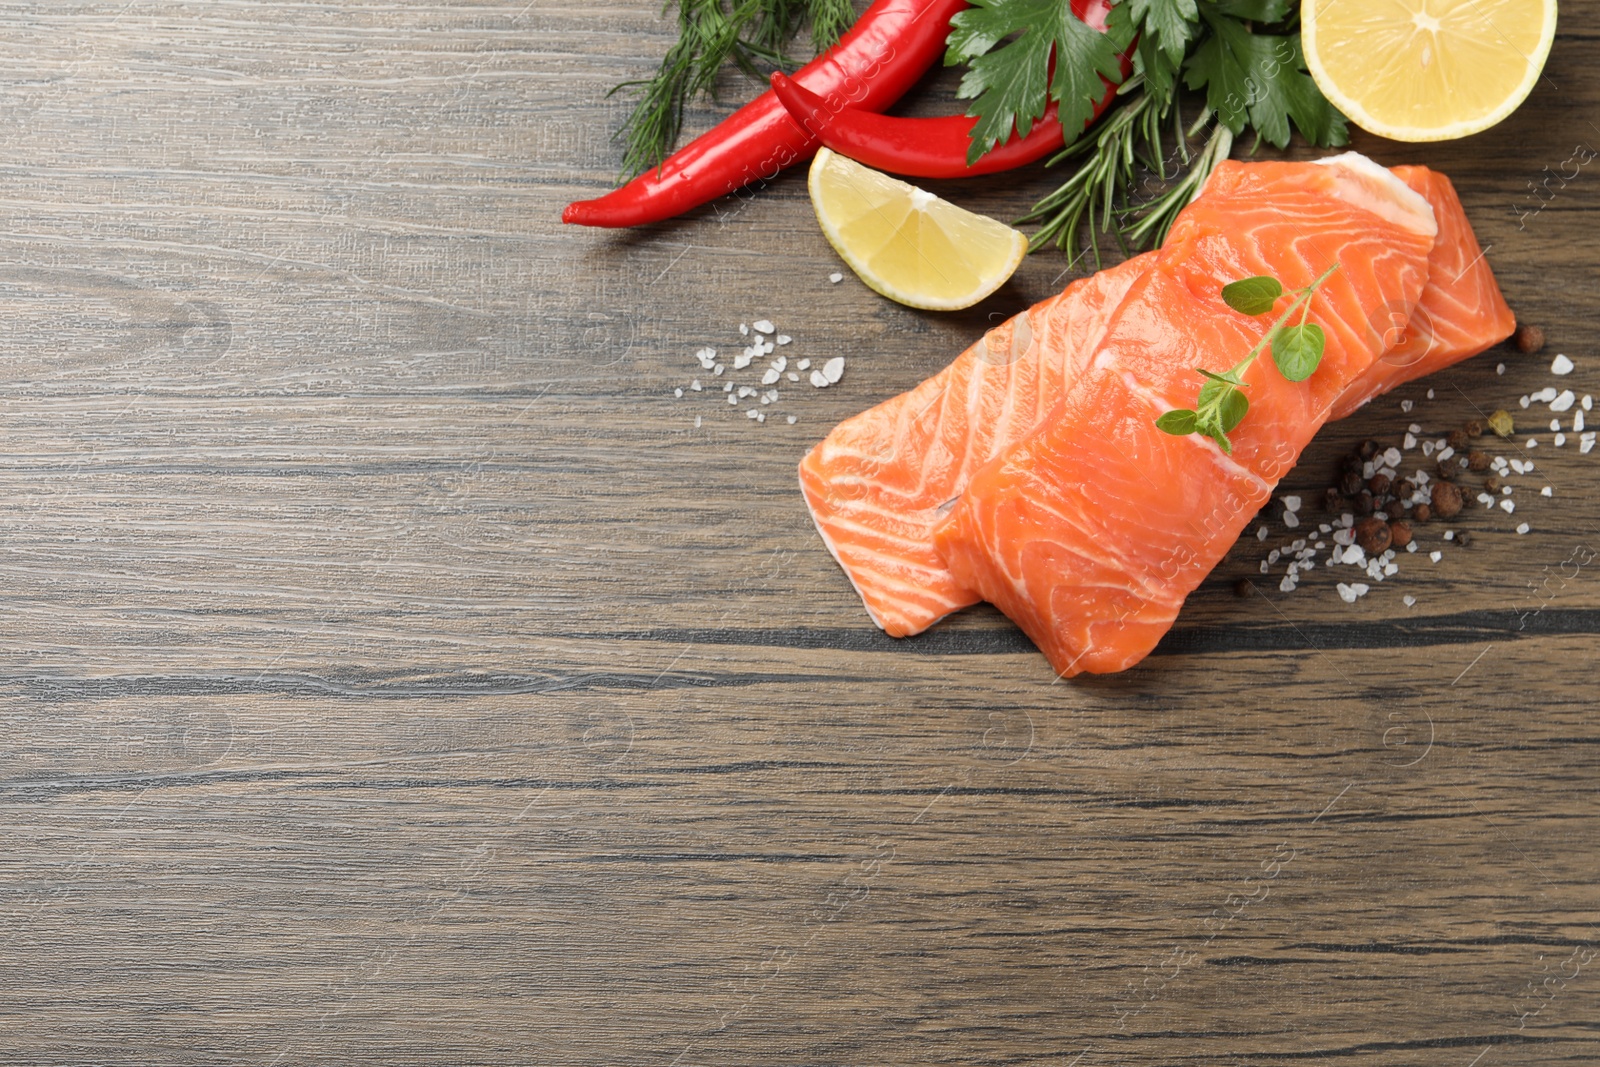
(1461, 311)
(880, 481)
(1091, 531)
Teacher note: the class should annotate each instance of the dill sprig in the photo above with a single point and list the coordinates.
(750, 34)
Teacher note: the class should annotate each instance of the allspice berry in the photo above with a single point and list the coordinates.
(1528, 339)
(1492, 483)
(1458, 440)
(1399, 534)
(1379, 484)
(1421, 513)
(1373, 536)
(1477, 461)
(1446, 499)
(1363, 503)
(1474, 429)
(1350, 484)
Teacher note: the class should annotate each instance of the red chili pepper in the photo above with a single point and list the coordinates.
(933, 147)
(891, 45)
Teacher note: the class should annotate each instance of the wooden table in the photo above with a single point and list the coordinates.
(394, 673)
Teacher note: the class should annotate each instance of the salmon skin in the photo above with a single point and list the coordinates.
(878, 484)
(1091, 531)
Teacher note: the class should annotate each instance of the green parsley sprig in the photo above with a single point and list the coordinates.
(1295, 350)
(1244, 55)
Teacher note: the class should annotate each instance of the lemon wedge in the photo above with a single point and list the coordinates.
(1426, 70)
(905, 242)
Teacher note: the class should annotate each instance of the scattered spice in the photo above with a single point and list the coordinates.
(1474, 429)
(1500, 422)
(1446, 499)
(1528, 339)
(1373, 536)
(1422, 513)
(1477, 461)
(1399, 534)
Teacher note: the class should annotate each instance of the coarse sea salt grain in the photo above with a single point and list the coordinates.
(1291, 503)
(1499, 368)
(744, 329)
(697, 422)
(1261, 533)
(804, 364)
(764, 326)
(792, 376)
(771, 376)
(1564, 401)
(1524, 401)
(1561, 365)
(1430, 394)
(792, 419)
(1587, 402)
(678, 392)
(752, 413)
(784, 338)
(1291, 520)
(1410, 442)
(1546, 491)
(1522, 528)
(1346, 593)
(1406, 405)
(836, 277)
(1409, 601)
(1555, 424)
(818, 380)
(1586, 442)
(1533, 442)
(1436, 555)
(833, 370)
(1560, 440)
(1508, 506)
(1577, 421)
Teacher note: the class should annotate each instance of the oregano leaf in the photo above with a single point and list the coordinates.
(1231, 409)
(1297, 350)
(1178, 422)
(1252, 296)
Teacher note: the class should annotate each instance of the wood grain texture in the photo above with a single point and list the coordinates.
(391, 672)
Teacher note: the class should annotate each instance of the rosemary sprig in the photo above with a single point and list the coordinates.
(747, 33)
(1094, 202)
(1295, 350)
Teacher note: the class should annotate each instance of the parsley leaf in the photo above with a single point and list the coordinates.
(1260, 80)
(1165, 29)
(1010, 83)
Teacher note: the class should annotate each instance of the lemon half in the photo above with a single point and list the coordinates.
(1426, 70)
(905, 242)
